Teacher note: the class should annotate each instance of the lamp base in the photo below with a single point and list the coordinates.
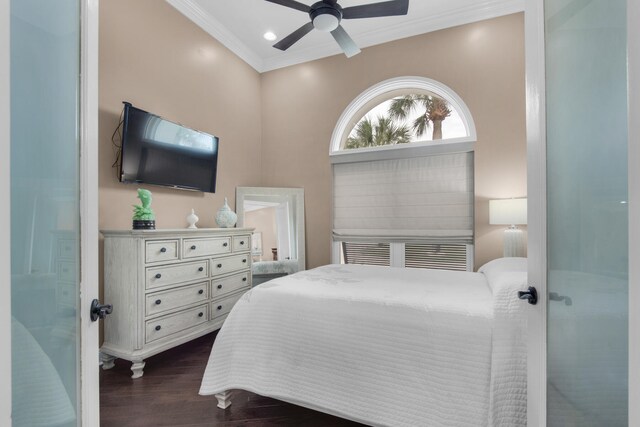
(514, 243)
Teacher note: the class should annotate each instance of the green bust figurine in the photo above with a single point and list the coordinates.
(144, 212)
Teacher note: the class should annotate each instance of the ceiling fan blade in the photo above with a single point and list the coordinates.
(292, 4)
(347, 44)
(374, 10)
(288, 41)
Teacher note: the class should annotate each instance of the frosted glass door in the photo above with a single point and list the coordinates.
(45, 42)
(587, 212)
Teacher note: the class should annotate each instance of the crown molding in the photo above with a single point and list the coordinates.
(479, 11)
(218, 31)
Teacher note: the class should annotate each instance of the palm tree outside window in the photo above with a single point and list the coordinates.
(415, 117)
(432, 111)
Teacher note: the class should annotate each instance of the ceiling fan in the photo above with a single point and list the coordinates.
(326, 16)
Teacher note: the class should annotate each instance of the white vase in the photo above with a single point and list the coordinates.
(192, 218)
(226, 218)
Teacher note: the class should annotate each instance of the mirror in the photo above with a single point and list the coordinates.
(277, 215)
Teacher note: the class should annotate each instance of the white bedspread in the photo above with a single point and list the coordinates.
(383, 346)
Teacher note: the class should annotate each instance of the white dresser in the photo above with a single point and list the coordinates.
(168, 287)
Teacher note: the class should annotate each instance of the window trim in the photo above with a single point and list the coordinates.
(345, 123)
(420, 148)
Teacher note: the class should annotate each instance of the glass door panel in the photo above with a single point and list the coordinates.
(587, 212)
(45, 56)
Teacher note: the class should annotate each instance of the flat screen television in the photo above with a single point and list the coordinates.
(160, 152)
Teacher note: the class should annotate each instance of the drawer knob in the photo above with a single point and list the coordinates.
(163, 250)
(219, 286)
(244, 279)
(201, 269)
(200, 314)
(244, 260)
(158, 301)
(158, 327)
(242, 242)
(225, 244)
(193, 247)
(219, 307)
(201, 292)
(219, 265)
(158, 276)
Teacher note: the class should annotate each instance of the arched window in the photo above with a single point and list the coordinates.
(403, 113)
(402, 155)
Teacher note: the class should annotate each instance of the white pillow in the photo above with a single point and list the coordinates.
(504, 264)
(505, 271)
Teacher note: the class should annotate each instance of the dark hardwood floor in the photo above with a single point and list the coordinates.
(167, 395)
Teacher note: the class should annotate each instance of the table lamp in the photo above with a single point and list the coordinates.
(511, 212)
(256, 245)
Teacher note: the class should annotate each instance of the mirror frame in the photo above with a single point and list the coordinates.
(297, 194)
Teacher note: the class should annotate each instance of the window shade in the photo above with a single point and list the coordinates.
(423, 198)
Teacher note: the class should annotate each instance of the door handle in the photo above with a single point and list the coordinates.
(554, 296)
(531, 295)
(100, 311)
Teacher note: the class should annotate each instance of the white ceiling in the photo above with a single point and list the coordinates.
(240, 25)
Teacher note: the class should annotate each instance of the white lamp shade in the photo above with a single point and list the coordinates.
(508, 212)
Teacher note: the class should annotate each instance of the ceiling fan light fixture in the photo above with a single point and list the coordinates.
(326, 16)
(326, 22)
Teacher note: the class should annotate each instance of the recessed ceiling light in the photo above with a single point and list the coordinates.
(270, 36)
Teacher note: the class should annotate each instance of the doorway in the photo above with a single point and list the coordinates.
(580, 195)
(50, 265)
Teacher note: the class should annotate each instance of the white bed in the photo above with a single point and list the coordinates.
(382, 346)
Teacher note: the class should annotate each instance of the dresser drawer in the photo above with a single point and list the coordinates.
(229, 284)
(161, 250)
(241, 243)
(177, 273)
(66, 295)
(167, 325)
(224, 305)
(229, 264)
(192, 248)
(159, 302)
(67, 249)
(66, 271)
